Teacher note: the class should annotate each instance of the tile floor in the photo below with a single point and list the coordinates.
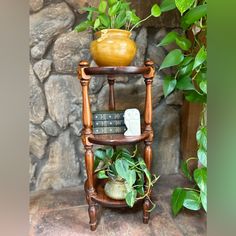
(64, 213)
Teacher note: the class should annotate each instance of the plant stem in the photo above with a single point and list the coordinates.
(140, 22)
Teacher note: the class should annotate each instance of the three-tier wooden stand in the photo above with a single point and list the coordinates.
(94, 188)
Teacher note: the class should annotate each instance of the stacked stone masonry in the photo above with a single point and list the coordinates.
(56, 152)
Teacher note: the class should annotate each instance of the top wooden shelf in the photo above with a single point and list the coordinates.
(116, 70)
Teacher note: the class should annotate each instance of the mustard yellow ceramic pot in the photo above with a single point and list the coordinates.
(113, 47)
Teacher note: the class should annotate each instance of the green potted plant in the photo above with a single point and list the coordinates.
(113, 21)
(127, 174)
(190, 61)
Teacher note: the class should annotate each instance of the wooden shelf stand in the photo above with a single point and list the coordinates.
(94, 188)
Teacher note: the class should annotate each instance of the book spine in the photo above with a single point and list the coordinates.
(108, 123)
(108, 116)
(109, 130)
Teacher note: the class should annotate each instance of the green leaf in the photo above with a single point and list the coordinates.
(193, 15)
(167, 5)
(122, 168)
(183, 43)
(186, 61)
(202, 156)
(132, 17)
(120, 20)
(203, 86)
(131, 177)
(184, 168)
(177, 200)
(114, 9)
(100, 153)
(200, 57)
(185, 83)
(109, 152)
(140, 188)
(192, 201)
(169, 85)
(131, 198)
(111, 2)
(183, 5)
(186, 70)
(102, 6)
(174, 57)
(201, 137)
(155, 11)
(193, 96)
(102, 174)
(97, 23)
(83, 26)
(169, 38)
(200, 176)
(204, 200)
(105, 20)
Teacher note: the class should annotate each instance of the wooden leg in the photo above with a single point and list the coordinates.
(89, 161)
(146, 202)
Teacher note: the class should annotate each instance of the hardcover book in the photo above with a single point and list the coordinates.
(108, 115)
(108, 123)
(109, 130)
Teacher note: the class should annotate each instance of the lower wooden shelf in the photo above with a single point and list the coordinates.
(102, 198)
(116, 139)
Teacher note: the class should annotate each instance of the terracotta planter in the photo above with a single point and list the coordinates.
(113, 47)
(115, 189)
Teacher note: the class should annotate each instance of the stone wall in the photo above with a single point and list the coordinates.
(56, 153)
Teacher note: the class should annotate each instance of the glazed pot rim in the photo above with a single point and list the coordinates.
(104, 31)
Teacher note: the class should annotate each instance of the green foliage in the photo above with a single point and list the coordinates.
(121, 164)
(190, 77)
(114, 14)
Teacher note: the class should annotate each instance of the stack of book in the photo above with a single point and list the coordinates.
(108, 122)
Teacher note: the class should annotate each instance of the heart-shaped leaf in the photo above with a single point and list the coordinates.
(131, 198)
(169, 85)
(202, 156)
(105, 20)
(111, 2)
(200, 176)
(102, 6)
(100, 153)
(200, 57)
(122, 168)
(102, 174)
(97, 23)
(192, 201)
(110, 152)
(201, 137)
(173, 58)
(185, 83)
(167, 5)
(184, 168)
(203, 86)
(183, 42)
(83, 26)
(155, 11)
(169, 38)
(204, 200)
(177, 200)
(183, 5)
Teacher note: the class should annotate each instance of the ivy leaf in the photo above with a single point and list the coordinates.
(192, 201)
(155, 11)
(193, 15)
(167, 5)
(193, 96)
(100, 153)
(200, 57)
(173, 58)
(120, 20)
(186, 70)
(204, 200)
(177, 200)
(131, 198)
(183, 43)
(186, 61)
(185, 83)
(202, 156)
(203, 86)
(102, 174)
(184, 168)
(131, 177)
(169, 85)
(201, 137)
(200, 176)
(83, 26)
(169, 38)
(183, 5)
(97, 23)
(122, 168)
(102, 6)
(109, 152)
